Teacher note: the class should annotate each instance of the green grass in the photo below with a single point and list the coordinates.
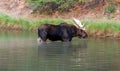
(25, 24)
(103, 25)
(8, 20)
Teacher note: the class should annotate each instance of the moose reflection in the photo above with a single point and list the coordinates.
(62, 55)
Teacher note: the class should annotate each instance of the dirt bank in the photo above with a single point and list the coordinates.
(94, 9)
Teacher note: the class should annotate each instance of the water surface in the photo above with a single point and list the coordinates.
(20, 52)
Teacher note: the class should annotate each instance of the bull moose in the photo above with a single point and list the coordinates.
(63, 32)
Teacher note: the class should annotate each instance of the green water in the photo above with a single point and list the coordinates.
(20, 52)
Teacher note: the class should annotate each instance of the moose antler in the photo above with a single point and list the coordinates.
(78, 23)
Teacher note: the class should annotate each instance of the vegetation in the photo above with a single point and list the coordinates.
(49, 6)
(103, 25)
(105, 28)
(8, 22)
(111, 7)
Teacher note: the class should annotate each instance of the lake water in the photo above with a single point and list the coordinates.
(20, 52)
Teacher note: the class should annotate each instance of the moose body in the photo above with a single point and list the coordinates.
(63, 32)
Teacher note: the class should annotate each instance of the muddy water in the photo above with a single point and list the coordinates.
(20, 52)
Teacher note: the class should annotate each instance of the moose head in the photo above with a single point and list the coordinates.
(80, 28)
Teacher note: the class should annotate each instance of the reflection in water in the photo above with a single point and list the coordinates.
(20, 52)
(61, 56)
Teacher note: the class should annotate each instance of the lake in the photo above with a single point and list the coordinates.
(19, 51)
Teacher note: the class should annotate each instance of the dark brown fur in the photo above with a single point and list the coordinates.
(63, 32)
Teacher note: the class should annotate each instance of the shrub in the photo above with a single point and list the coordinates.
(111, 7)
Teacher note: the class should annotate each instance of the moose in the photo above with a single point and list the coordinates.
(63, 32)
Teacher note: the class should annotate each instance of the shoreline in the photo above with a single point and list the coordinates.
(94, 28)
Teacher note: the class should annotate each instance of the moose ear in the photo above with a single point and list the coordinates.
(78, 23)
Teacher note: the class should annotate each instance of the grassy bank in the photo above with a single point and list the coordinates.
(94, 27)
(105, 28)
(11, 23)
